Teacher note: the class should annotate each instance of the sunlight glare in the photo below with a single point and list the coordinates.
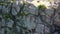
(41, 3)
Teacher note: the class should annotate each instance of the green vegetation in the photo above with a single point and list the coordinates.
(42, 7)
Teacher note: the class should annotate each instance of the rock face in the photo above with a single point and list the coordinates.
(58, 16)
(30, 23)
